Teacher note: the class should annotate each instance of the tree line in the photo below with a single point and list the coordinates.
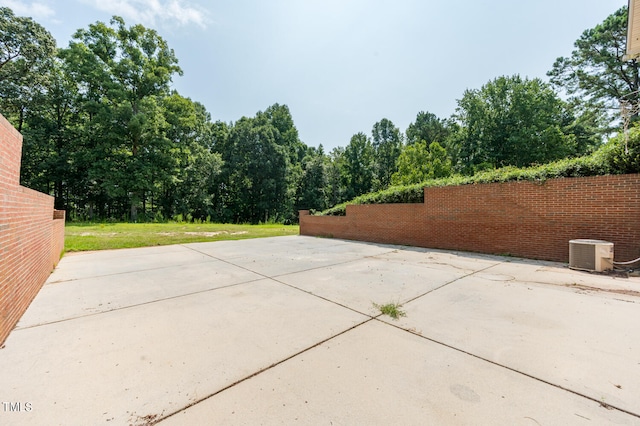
(108, 137)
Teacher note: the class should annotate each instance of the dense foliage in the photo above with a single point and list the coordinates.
(511, 121)
(419, 162)
(620, 155)
(26, 52)
(107, 136)
(596, 75)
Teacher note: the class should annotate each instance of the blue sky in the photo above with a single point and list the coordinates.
(340, 65)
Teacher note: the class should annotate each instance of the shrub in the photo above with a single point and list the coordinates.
(623, 153)
(612, 158)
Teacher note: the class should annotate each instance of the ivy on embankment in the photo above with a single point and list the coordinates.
(618, 156)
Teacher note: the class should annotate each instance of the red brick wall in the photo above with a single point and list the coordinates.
(31, 240)
(525, 219)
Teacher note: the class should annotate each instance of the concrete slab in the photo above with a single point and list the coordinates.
(359, 284)
(281, 246)
(289, 254)
(588, 343)
(131, 365)
(272, 330)
(465, 263)
(556, 274)
(379, 375)
(114, 262)
(59, 301)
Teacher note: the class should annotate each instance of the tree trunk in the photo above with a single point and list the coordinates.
(134, 207)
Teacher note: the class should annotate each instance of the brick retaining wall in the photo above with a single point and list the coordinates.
(31, 234)
(524, 219)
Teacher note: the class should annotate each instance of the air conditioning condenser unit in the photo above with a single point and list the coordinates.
(591, 255)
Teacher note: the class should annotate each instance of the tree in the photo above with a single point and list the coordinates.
(50, 132)
(26, 53)
(254, 178)
(123, 73)
(387, 145)
(596, 74)
(313, 185)
(190, 189)
(427, 127)
(336, 177)
(105, 135)
(286, 133)
(510, 121)
(418, 163)
(358, 166)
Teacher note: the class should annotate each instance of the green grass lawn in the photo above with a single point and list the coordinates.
(104, 236)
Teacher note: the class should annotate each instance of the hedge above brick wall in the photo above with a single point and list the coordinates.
(521, 218)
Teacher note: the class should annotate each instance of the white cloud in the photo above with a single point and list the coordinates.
(36, 10)
(149, 12)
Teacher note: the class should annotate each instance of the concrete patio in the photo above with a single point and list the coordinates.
(284, 330)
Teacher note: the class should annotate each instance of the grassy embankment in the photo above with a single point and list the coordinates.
(105, 236)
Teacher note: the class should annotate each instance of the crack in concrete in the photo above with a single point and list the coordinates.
(18, 328)
(252, 375)
(608, 406)
(162, 417)
(126, 272)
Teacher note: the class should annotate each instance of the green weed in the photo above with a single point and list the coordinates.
(391, 309)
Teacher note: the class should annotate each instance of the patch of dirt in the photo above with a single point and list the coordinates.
(607, 290)
(201, 234)
(147, 420)
(76, 253)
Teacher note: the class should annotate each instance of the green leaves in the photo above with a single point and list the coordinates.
(510, 121)
(358, 166)
(622, 153)
(387, 145)
(618, 156)
(254, 185)
(127, 71)
(25, 46)
(596, 74)
(26, 54)
(418, 163)
(313, 184)
(428, 127)
(105, 134)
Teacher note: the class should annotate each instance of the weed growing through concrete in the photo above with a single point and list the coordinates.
(391, 309)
